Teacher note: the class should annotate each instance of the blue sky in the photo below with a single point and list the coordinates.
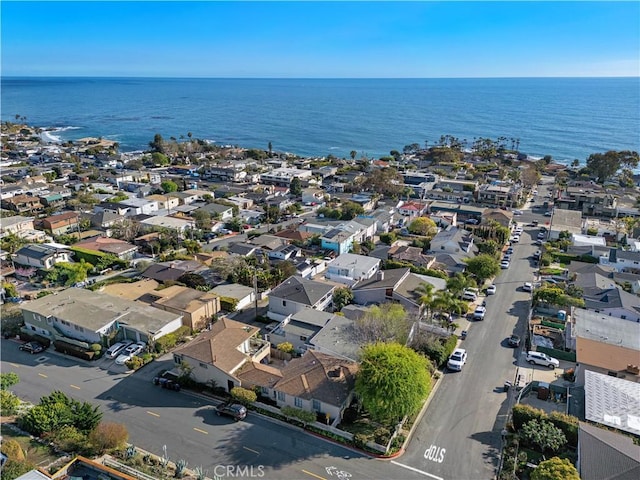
(321, 39)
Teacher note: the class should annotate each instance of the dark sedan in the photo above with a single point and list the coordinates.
(32, 347)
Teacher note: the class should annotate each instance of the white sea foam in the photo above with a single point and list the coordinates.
(48, 137)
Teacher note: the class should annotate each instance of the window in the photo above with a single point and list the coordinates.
(284, 303)
(281, 396)
(304, 338)
(315, 404)
(298, 402)
(623, 317)
(264, 390)
(203, 365)
(177, 359)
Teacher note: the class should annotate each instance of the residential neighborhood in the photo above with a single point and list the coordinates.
(273, 281)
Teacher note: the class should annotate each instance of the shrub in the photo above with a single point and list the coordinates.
(68, 439)
(9, 403)
(524, 413)
(13, 469)
(108, 436)
(243, 395)
(8, 380)
(12, 449)
(555, 469)
(166, 343)
(360, 440)
(543, 434)
(96, 347)
(286, 347)
(568, 424)
(134, 363)
(304, 416)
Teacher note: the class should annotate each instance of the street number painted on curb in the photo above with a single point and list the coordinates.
(435, 453)
(341, 474)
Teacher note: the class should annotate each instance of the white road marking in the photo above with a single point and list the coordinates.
(416, 470)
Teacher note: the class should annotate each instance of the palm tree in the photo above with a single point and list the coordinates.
(426, 296)
(459, 283)
(446, 302)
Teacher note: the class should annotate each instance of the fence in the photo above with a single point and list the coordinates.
(559, 354)
(108, 462)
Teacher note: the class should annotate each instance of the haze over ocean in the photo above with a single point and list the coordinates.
(566, 118)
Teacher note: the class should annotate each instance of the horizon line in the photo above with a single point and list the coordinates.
(312, 78)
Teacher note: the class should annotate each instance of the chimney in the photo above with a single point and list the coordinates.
(380, 275)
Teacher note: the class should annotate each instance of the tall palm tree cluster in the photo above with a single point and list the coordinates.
(445, 301)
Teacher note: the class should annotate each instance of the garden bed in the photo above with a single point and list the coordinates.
(35, 452)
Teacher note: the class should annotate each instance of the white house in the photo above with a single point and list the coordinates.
(42, 256)
(350, 268)
(297, 293)
(452, 240)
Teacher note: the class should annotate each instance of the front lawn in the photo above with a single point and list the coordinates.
(35, 452)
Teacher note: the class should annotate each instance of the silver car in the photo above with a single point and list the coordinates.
(539, 358)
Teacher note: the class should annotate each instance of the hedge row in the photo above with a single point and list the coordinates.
(170, 340)
(567, 423)
(73, 350)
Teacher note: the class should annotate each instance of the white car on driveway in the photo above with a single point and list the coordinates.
(115, 349)
(457, 360)
(131, 351)
(539, 358)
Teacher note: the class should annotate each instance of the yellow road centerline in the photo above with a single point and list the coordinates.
(152, 413)
(74, 386)
(201, 431)
(251, 450)
(43, 375)
(314, 475)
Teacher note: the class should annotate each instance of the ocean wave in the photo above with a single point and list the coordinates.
(48, 137)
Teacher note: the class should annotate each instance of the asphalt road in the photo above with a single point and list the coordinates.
(459, 436)
(186, 423)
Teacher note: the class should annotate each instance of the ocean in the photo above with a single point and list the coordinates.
(567, 118)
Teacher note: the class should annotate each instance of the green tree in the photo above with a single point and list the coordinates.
(157, 144)
(295, 187)
(286, 347)
(543, 434)
(483, 267)
(393, 381)
(555, 468)
(350, 210)
(388, 238)
(169, 186)
(10, 290)
(8, 380)
(341, 297)
(490, 247)
(605, 165)
(11, 243)
(423, 226)
(459, 282)
(388, 322)
(305, 416)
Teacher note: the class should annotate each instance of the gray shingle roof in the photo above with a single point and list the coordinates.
(607, 455)
(301, 290)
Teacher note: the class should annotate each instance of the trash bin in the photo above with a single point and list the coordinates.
(543, 391)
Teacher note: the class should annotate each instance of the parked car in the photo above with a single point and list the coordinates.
(470, 296)
(131, 351)
(479, 313)
(514, 341)
(116, 348)
(32, 347)
(472, 221)
(515, 239)
(166, 383)
(517, 212)
(491, 290)
(536, 254)
(457, 360)
(233, 410)
(548, 213)
(504, 264)
(539, 358)
(527, 287)
(541, 235)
